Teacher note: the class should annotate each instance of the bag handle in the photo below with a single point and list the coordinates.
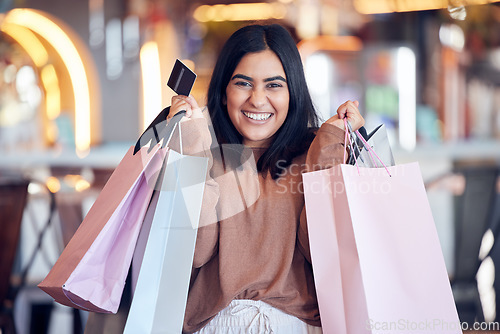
(371, 150)
(176, 123)
(348, 136)
(158, 130)
(365, 143)
(348, 130)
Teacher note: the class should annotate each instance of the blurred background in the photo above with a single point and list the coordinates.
(80, 81)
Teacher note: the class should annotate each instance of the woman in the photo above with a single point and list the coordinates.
(252, 270)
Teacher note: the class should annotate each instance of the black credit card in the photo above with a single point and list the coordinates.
(181, 79)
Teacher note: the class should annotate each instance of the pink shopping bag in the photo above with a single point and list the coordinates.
(91, 271)
(377, 260)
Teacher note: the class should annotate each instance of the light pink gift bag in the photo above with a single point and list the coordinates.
(91, 271)
(376, 256)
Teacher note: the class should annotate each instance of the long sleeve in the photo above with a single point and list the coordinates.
(197, 141)
(257, 249)
(326, 150)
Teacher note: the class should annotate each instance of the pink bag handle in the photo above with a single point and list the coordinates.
(371, 150)
(365, 144)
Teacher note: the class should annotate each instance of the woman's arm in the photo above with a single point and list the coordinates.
(326, 151)
(197, 141)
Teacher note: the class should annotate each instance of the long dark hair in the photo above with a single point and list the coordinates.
(295, 135)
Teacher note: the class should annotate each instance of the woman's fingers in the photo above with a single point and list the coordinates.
(178, 104)
(196, 110)
(348, 107)
(350, 111)
(186, 103)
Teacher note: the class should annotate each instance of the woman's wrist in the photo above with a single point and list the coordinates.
(337, 122)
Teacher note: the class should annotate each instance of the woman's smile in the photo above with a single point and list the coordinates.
(258, 116)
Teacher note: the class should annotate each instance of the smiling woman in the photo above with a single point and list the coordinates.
(270, 50)
(252, 269)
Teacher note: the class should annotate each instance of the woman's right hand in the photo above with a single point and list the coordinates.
(187, 103)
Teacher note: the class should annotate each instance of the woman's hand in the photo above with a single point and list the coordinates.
(350, 110)
(187, 103)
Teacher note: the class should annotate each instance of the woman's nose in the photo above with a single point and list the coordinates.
(258, 98)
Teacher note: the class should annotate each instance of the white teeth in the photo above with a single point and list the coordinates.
(257, 117)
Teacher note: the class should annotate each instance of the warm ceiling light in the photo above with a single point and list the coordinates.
(329, 43)
(28, 41)
(52, 92)
(240, 12)
(389, 6)
(53, 184)
(151, 82)
(64, 46)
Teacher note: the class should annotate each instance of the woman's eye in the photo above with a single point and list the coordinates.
(243, 84)
(274, 85)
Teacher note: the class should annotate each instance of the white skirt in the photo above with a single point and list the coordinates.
(244, 316)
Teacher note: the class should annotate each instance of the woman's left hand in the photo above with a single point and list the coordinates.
(186, 103)
(349, 110)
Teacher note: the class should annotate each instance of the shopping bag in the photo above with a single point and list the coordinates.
(91, 271)
(376, 257)
(160, 294)
(142, 240)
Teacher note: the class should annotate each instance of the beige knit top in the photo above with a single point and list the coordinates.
(253, 242)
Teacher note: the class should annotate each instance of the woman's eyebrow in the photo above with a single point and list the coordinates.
(244, 77)
(278, 77)
(241, 76)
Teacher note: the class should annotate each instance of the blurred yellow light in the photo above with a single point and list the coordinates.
(151, 82)
(71, 58)
(307, 22)
(480, 2)
(388, 6)
(279, 11)
(51, 132)
(240, 12)
(222, 13)
(52, 91)
(373, 6)
(72, 179)
(329, 43)
(53, 184)
(82, 185)
(200, 13)
(28, 41)
(226, 12)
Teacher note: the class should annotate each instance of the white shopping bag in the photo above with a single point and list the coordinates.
(160, 295)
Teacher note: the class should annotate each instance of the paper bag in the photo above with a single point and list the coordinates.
(160, 294)
(91, 271)
(377, 261)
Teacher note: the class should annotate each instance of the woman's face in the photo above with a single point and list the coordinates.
(257, 97)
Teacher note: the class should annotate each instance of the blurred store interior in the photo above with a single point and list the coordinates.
(80, 81)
